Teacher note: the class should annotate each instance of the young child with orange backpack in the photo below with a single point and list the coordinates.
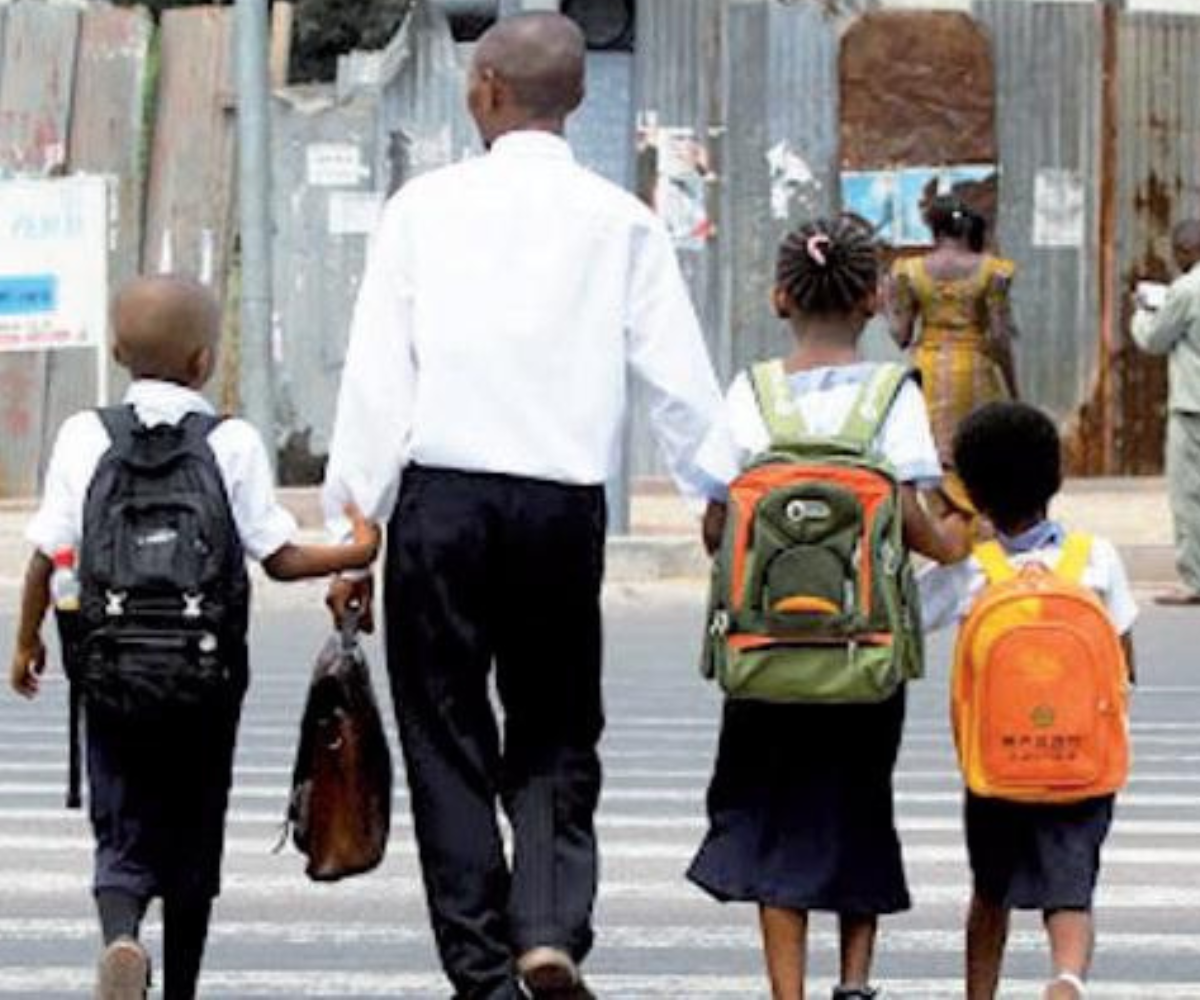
(813, 629)
(1042, 671)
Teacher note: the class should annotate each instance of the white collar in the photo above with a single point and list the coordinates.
(159, 396)
(533, 144)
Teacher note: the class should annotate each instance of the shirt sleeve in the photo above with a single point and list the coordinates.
(666, 351)
(373, 426)
(263, 523)
(906, 438)
(946, 593)
(57, 523)
(1157, 332)
(1112, 582)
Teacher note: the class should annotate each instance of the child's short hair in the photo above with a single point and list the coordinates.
(1010, 459)
(828, 266)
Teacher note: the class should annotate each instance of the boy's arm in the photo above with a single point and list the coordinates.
(944, 540)
(1130, 657)
(302, 562)
(29, 658)
(713, 525)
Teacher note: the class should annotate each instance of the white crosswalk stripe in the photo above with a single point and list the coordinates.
(276, 935)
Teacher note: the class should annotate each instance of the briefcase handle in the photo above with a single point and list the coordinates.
(351, 621)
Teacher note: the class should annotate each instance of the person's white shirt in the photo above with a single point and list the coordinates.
(503, 301)
(263, 524)
(948, 592)
(824, 397)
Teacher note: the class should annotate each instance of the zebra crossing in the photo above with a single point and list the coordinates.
(277, 935)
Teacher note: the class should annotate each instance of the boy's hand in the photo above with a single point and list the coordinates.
(713, 526)
(28, 665)
(367, 535)
(346, 593)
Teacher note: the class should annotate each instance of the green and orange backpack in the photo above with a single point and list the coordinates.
(812, 596)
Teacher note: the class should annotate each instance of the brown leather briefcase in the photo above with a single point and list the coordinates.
(340, 809)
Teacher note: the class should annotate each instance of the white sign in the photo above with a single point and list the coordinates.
(54, 238)
(335, 164)
(1059, 219)
(354, 213)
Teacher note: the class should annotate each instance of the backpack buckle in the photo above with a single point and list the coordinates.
(718, 627)
(193, 605)
(114, 603)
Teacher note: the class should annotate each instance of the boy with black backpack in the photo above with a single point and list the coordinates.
(163, 501)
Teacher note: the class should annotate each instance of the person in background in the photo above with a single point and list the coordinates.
(481, 409)
(951, 308)
(1169, 323)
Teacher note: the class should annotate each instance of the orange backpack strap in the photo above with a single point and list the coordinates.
(1076, 553)
(994, 562)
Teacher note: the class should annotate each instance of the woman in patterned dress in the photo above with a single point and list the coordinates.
(951, 308)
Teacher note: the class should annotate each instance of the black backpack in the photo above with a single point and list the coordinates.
(164, 594)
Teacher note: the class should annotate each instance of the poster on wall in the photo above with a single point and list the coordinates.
(54, 237)
(894, 201)
(1059, 217)
(676, 166)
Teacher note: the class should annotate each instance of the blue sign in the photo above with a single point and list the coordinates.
(28, 295)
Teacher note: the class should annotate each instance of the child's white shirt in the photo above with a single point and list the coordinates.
(948, 592)
(825, 397)
(263, 524)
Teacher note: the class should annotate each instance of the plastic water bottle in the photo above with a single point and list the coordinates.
(64, 581)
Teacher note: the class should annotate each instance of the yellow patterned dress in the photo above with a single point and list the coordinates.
(954, 350)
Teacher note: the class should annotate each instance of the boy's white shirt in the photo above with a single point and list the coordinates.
(947, 592)
(263, 524)
(824, 397)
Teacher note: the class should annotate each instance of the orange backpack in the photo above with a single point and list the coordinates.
(1040, 690)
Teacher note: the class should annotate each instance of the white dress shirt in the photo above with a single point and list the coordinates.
(824, 397)
(948, 592)
(503, 300)
(263, 525)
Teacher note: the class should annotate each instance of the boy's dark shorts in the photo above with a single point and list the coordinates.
(1036, 857)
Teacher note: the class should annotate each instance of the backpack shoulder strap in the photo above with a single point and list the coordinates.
(780, 412)
(874, 403)
(120, 422)
(1076, 553)
(994, 562)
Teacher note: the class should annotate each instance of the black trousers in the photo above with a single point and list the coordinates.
(488, 572)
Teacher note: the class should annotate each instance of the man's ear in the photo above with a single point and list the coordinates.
(118, 354)
(202, 364)
(781, 302)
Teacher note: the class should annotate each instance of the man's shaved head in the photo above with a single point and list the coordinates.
(166, 327)
(540, 58)
(1185, 240)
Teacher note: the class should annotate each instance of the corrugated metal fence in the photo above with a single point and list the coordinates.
(734, 101)
(777, 65)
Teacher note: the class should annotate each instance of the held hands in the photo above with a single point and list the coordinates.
(28, 665)
(349, 593)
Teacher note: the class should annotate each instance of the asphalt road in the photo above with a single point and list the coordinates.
(276, 935)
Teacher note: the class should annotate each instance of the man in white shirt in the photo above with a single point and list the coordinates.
(481, 410)
(1172, 327)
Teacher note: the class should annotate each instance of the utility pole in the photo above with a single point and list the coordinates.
(254, 212)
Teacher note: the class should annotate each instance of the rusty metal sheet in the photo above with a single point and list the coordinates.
(106, 135)
(37, 64)
(1158, 185)
(917, 89)
(190, 199)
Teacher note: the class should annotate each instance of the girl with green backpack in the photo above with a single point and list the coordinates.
(813, 628)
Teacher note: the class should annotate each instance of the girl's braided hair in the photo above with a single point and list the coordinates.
(828, 266)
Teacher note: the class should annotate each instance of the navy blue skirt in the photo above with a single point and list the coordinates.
(800, 809)
(1036, 857)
